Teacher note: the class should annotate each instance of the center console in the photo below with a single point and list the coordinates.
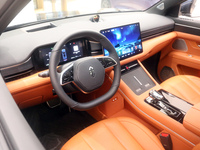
(139, 82)
(136, 78)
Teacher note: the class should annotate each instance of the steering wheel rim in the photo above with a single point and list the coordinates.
(55, 59)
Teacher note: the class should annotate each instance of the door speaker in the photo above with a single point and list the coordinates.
(166, 73)
(180, 44)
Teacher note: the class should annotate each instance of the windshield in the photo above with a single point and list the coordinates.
(38, 10)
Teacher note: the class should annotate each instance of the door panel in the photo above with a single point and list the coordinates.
(182, 57)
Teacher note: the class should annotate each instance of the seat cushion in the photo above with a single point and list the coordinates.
(184, 86)
(114, 134)
(197, 147)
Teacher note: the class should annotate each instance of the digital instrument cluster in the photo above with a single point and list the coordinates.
(71, 51)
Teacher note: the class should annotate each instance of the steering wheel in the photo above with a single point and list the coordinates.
(87, 73)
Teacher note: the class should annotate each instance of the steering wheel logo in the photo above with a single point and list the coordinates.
(91, 71)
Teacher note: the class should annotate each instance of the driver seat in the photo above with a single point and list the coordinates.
(115, 133)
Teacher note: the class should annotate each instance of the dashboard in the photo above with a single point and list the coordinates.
(126, 40)
(30, 51)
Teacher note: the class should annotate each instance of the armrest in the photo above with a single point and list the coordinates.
(192, 119)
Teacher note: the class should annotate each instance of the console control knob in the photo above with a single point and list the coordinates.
(166, 109)
(149, 99)
(162, 105)
(155, 94)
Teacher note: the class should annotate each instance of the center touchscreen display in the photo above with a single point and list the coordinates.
(70, 51)
(126, 40)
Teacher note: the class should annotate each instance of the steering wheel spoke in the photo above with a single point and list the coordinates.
(66, 76)
(107, 62)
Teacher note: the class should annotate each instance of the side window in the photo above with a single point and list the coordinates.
(190, 9)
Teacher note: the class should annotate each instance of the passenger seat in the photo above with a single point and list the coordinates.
(186, 87)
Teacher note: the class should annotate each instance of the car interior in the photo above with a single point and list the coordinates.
(107, 80)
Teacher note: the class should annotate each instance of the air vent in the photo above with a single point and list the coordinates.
(96, 48)
(40, 27)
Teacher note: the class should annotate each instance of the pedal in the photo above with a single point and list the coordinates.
(54, 103)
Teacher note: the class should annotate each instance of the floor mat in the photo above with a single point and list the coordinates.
(54, 127)
(52, 141)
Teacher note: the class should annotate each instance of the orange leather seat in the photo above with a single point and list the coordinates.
(115, 133)
(184, 86)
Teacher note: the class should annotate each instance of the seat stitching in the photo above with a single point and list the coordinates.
(143, 131)
(85, 141)
(195, 127)
(191, 84)
(172, 87)
(177, 90)
(113, 135)
(129, 133)
(140, 129)
(192, 87)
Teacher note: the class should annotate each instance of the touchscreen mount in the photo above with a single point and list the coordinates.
(126, 40)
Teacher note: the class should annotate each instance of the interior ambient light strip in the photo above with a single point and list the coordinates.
(137, 80)
(152, 117)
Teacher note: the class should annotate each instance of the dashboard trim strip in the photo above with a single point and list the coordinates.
(4, 68)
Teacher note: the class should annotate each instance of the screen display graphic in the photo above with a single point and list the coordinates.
(70, 51)
(126, 40)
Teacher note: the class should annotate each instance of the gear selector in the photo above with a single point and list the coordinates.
(157, 100)
(156, 95)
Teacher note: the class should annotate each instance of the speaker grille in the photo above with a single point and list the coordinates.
(180, 44)
(166, 73)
